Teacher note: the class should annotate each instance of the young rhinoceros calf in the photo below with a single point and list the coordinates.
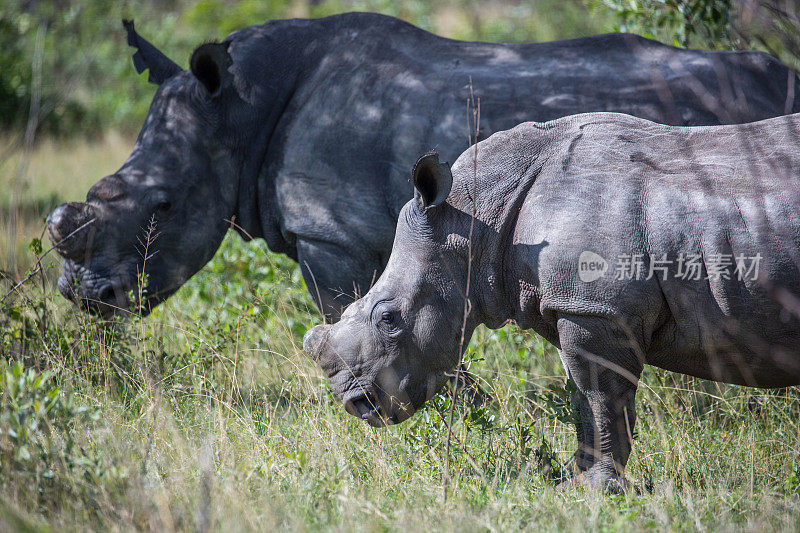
(620, 241)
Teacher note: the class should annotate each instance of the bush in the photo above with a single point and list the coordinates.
(700, 23)
(42, 461)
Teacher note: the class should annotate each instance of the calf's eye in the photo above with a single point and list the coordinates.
(163, 206)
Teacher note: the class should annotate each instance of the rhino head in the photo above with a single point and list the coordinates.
(392, 349)
(162, 215)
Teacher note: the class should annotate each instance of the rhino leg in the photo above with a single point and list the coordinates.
(584, 455)
(582, 460)
(602, 360)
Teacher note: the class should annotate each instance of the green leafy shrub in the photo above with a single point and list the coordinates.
(40, 455)
(704, 23)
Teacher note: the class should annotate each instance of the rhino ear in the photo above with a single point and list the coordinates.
(209, 64)
(432, 181)
(149, 57)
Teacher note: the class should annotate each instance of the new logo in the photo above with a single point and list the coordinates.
(591, 266)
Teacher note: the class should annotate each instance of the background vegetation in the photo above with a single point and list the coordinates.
(207, 415)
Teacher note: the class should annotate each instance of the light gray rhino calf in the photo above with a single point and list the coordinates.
(620, 241)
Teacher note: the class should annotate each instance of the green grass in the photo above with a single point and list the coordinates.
(207, 415)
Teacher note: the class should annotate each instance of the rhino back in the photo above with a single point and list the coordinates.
(623, 188)
(735, 199)
(379, 92)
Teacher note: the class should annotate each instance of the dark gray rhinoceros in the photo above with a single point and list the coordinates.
(301, 132)
(620, 241)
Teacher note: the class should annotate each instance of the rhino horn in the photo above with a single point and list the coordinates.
(67, 227)
(149, 57)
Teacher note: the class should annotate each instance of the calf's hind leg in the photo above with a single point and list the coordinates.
(601, 358)
(583, 458)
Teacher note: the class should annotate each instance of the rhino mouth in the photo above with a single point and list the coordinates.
(377, 408)
(107, 296)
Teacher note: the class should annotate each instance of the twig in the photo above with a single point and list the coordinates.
(38, 265)
(150, 236)
(30, 132)
(237, 227)
(204, 505)
(151, 435)
(473, 132)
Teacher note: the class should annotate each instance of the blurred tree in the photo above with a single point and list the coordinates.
(23, 37)
(221, 17)
(684, 23)
(87, 82)
(771, 25)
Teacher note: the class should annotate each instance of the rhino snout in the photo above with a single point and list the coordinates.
(314, 339)
(67, 228)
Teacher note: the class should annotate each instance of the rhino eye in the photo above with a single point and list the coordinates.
(163, 206)
(389, 323)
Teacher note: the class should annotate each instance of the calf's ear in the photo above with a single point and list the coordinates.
(432, 181)
(209, 64)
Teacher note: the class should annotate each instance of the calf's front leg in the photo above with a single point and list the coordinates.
(601, 357)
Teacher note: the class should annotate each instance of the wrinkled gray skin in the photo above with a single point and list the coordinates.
(304, 131)
(607, 183)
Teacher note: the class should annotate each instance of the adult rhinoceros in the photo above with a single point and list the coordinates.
(303, 131)
(620, 241)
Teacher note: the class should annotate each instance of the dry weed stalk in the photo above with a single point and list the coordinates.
(473, 131)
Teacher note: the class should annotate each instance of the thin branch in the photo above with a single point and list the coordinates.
(38, 265)
(473, 132)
